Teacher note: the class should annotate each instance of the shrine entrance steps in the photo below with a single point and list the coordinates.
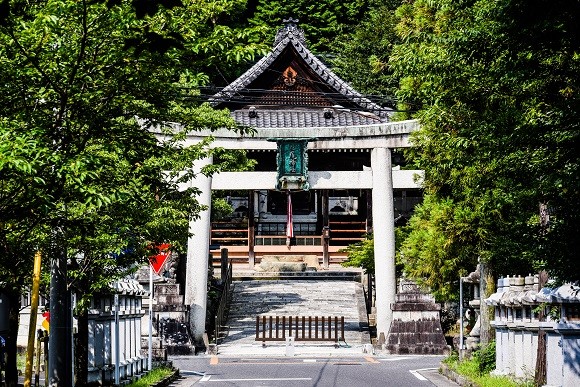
(322, 293)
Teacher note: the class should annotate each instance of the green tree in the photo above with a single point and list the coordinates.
(321, 21)
(82, 176)
(362, 53)
(362, 254)
(497, 83)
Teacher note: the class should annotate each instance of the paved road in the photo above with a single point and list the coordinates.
(353, 371)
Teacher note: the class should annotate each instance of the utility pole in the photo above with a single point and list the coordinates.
(32, 325)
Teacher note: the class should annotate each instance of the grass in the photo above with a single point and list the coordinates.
(470, 368)
(21, 361)
(155, 376)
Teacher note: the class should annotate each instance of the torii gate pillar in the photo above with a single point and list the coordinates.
(384, 237)
(198, 255)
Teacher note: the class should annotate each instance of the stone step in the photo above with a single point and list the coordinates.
(305, 275)
(297, 296)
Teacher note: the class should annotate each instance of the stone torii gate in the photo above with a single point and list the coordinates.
(381, 179)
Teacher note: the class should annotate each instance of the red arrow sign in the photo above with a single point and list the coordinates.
(157, 261)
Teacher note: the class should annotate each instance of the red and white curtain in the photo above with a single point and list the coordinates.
(289, 221)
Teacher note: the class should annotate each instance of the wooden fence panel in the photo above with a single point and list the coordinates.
(315, 328)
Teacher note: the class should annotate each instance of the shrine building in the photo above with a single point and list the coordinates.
(318, 142)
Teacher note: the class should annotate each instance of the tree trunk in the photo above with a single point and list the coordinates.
(541, 355)
(11, 340)
(486, 288)
(59, 359)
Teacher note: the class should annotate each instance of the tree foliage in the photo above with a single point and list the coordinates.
(362, 254)
(362, 53)
(497, 83)
(322, 21)
(81, 83)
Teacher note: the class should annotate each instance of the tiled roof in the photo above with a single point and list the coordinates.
(291, 35)
(298, 118)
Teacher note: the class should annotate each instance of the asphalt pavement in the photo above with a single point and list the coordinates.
(307, 370)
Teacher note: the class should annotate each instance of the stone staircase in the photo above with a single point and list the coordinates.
(295, 295)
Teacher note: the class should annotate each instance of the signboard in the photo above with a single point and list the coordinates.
(46, 321)
(292, 160)
(157, 261)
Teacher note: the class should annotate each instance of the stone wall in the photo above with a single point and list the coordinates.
(517, 325)
(102, 334)
(170, 333)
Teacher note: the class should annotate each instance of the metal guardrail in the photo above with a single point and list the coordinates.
(221, 315)
(311, 328)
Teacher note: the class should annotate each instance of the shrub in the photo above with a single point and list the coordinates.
(449, 316)
(485, 356)
(155, 376)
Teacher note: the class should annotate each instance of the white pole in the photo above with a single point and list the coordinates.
(460, 317)
(72, 339)
(384, 238)
(150, 354)
(117, 346)
(198, 254)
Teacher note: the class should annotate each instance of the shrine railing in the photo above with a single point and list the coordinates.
(221, 314)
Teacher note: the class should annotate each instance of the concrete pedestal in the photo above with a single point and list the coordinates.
(416, 327)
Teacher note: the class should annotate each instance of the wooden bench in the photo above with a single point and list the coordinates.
(301, 328)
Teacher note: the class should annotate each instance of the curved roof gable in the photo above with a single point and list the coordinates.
(291, 36)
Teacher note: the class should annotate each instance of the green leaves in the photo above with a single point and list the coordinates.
(361, 254)
(496, 135)
(362, 52)
(322, 21)
(80, 82)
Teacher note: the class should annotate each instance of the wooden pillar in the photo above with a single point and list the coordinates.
(325, 257)
(369, 225)
(223, 264)
(251, 229)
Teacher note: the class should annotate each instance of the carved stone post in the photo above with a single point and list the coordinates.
(197, 256)
(384, 237)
